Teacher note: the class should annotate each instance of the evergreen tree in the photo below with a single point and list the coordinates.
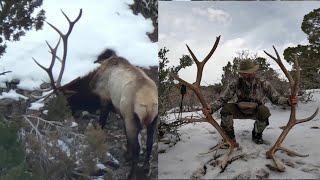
(166, 87)
(12, 154)
(16, 17)
(308, 55)
(165, 81)
(265, 71)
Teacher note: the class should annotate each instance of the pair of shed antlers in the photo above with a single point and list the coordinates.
(195, 87)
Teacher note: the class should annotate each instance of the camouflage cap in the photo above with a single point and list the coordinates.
(248, 66)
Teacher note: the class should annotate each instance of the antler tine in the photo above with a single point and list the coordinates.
(201, 64)
(283, 68)
(72, 22)
(308, 118)
(65, 45)
(212, 50)
(49, 72)
(56, 29)
(53, 52)
(193, 56)
(196, 89)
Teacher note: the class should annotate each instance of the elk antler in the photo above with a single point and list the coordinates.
(53, 51)
(195, 87)
(292, 120)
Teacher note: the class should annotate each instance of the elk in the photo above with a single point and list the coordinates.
(195, 87)
(292, 119)
(116, 85)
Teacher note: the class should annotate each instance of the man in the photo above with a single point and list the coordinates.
(250, 92)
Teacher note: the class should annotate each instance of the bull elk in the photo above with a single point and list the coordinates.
(116, 85)
(195, 87)
(292, 120)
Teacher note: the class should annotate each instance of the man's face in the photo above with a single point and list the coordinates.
(248, 76)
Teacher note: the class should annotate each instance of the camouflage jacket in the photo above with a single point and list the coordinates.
(257, 91)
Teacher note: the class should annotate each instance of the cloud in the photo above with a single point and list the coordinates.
(213, 15)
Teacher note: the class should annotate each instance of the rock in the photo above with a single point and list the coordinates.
(85, 114)
(20, 91)
(13, 84)
(288, 163)
(310, 170)
(262, 174)
(282, 127)
(244, 175)
(12, 108)
(272, 168)
(199, 173)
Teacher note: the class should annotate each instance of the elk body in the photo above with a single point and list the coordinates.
(118, 86)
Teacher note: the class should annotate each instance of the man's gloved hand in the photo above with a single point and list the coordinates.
(293, 100)
(207, 110)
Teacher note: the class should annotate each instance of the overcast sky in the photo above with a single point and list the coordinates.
(104, 24)
(246, 25)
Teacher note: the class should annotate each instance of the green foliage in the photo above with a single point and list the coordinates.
(166, 83)
(217, 88)
(311, 26)
(95, 148)
(308, 55)
(17, 17)
(167, 87)
(149, 9)
(58, 108)
(12, 154)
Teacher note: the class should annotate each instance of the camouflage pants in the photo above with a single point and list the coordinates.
(231, 111)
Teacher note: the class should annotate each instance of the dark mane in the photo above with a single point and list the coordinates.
(105, 55)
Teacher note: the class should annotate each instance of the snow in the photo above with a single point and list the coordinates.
(112, 158)
(182, 160)
(36, 106)
(12, 94)
(101, 166)
(74, 124)
(105, 24)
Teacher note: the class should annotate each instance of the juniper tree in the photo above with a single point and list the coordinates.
(17, 17)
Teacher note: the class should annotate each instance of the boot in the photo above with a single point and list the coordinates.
(257, 137)
(230, 133)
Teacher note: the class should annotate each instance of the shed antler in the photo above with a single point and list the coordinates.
(292, 120)
(56, 84)
(195, 87)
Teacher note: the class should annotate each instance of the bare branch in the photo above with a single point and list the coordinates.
(3, 73)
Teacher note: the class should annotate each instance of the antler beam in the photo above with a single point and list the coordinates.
(292, 120)
(195, 87)
(53, 51)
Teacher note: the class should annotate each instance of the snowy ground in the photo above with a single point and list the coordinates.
(182, 160)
